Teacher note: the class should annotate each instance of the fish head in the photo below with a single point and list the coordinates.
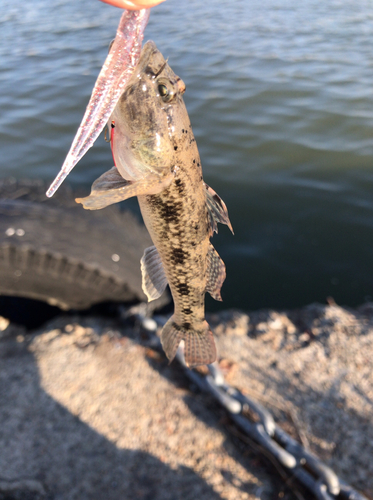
(147, 121)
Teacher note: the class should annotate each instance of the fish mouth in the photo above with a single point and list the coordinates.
(115, 73)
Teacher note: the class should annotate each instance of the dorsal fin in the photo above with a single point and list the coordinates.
(217, 209)
(215, 273)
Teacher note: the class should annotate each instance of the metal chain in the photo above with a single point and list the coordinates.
(317, 477)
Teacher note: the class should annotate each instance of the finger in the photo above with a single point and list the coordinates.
(134, 4)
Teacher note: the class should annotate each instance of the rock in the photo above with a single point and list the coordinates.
(231, 322)
(314, 372)
(89, 412)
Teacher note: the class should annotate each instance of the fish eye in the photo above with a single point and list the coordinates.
(165, 93)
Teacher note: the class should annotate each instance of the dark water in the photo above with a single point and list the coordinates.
(280, 98)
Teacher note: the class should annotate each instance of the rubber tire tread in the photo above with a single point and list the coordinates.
(56, 252)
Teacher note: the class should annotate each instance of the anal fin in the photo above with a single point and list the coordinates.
(217, 209)
(112, 188)
(215, 273)
(154, 279)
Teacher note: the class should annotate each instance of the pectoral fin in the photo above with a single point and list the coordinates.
(154, 279)
(111, 188)
(217, 209)
(215, 273)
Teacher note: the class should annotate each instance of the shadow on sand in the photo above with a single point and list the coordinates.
(41, 440)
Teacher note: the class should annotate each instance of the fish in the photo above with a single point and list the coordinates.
(156, 159)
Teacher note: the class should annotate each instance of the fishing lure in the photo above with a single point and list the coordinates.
(115, 73)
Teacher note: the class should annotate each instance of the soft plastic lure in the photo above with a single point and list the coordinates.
(115, 73)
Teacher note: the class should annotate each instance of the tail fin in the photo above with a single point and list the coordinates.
(199, 344)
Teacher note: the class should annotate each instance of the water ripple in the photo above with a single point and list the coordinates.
(279, 95)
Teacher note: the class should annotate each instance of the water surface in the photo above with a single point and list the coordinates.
(279, 96)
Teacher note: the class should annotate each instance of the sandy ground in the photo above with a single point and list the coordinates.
(87, 411)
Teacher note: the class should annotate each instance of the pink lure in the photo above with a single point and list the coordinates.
(114, 75)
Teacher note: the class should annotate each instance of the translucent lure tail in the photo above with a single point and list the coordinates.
(115, 73)
(199, 344)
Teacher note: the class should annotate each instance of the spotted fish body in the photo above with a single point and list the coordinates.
(156, 159)
(178, 222)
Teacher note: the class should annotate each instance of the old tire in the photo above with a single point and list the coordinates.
(55, 251)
